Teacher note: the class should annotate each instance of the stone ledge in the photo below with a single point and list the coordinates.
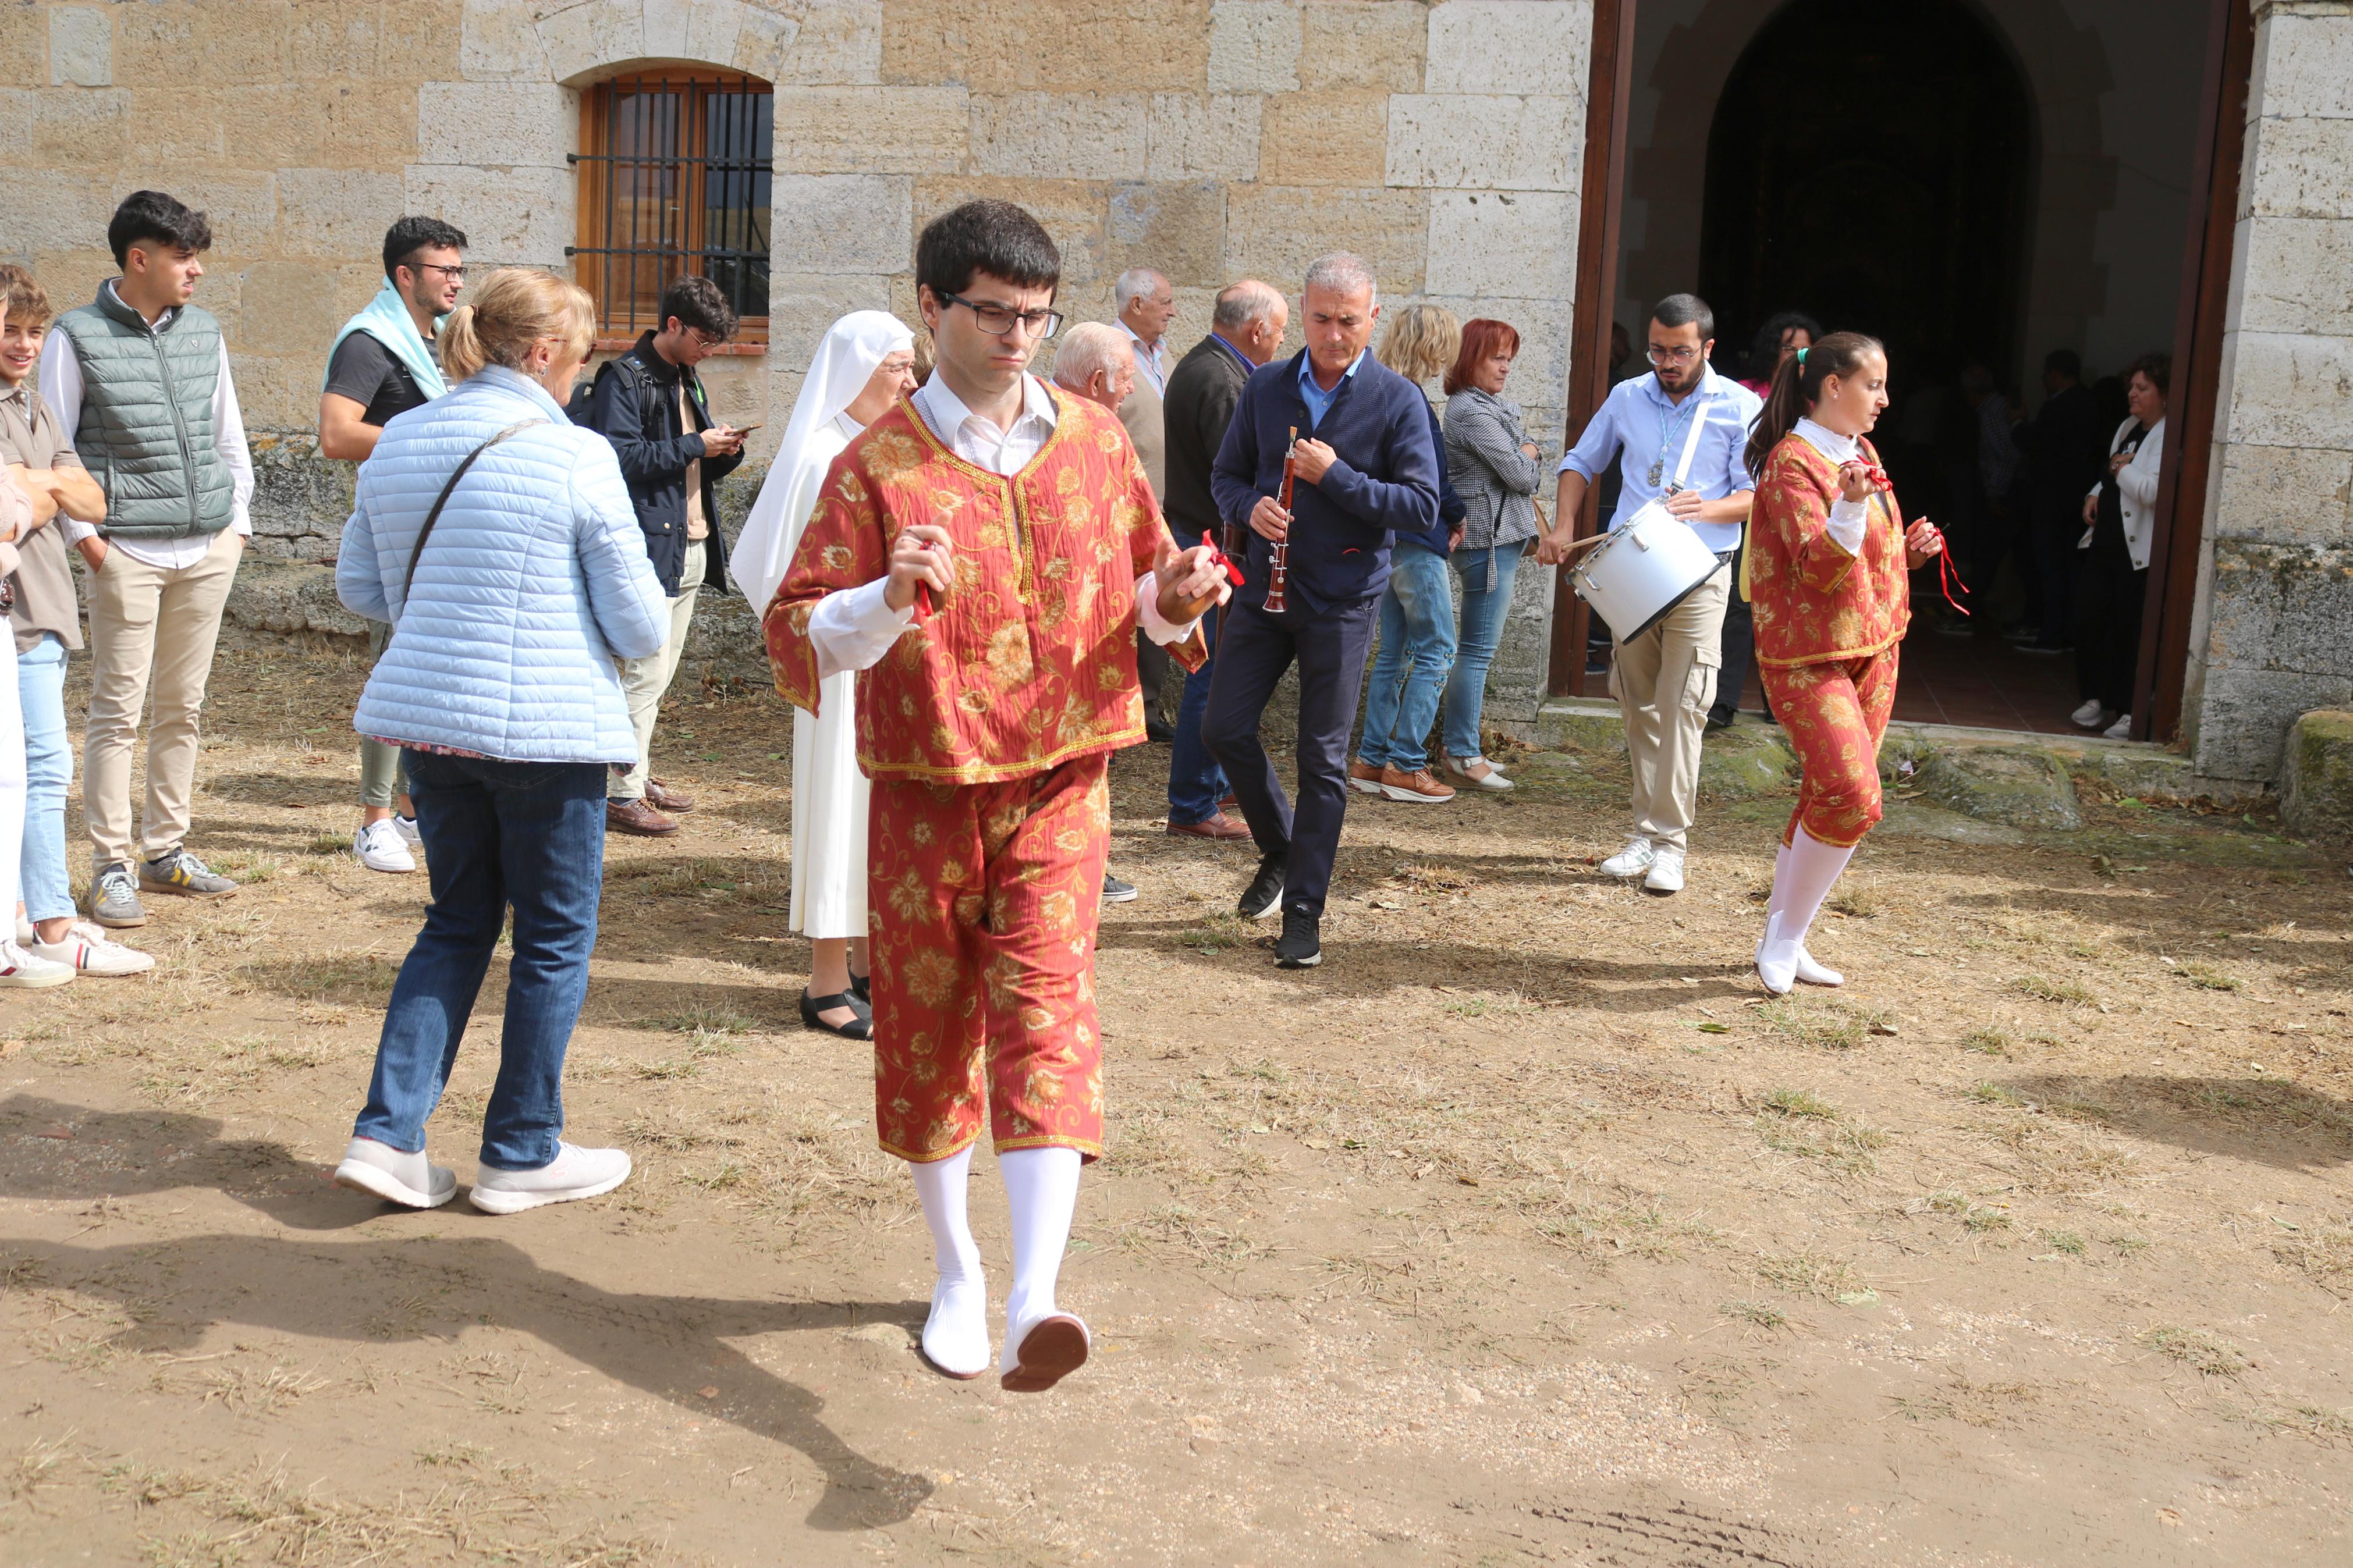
(2316, 782)
(1743, 760)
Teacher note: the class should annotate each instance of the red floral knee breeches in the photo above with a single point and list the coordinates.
(982, 903)
(1835, 715)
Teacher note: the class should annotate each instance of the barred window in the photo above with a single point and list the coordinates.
(674, 179)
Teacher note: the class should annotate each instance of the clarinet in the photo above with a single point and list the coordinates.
(1280, 577)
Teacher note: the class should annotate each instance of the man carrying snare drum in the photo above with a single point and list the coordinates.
(1683, 418)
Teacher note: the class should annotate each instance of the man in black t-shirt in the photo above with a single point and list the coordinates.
(383, 365)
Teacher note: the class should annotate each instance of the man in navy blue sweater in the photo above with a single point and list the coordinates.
(1367, 471)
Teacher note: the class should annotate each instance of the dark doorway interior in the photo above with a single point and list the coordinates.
(1869, 164)
(1902, 214)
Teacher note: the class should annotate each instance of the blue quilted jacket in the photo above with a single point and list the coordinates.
(535, 581)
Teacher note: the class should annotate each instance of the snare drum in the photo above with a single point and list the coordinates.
(1642, 571)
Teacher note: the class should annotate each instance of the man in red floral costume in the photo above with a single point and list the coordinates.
(983, 554)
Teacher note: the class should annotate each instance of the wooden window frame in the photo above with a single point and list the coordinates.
(606, 236)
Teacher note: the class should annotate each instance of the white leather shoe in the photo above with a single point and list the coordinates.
(2121, 729)
(955, 1336)
(1666, 869)
(2087, 716)
(1039, 1354)
(1777, 962)
(1630, 861)
(1809, 968)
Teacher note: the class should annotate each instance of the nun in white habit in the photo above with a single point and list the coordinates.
(865, 364)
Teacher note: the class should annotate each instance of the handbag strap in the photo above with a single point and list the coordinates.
(416, 550)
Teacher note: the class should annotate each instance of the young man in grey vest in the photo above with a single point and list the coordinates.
(139, 382)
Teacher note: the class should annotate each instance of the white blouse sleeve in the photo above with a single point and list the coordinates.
(853, 628)
(1846, 524)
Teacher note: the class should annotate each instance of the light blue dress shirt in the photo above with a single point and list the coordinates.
(1319, 401)
(1646, 430)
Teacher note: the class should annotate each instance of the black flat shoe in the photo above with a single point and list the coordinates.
(860, 1027)
(863, 987)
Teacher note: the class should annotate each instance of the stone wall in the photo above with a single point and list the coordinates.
(1209, 138)
(2273, 632)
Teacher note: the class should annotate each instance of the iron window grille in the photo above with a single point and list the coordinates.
(675, 178)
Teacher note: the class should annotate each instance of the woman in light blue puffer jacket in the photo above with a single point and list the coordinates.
(500, 686)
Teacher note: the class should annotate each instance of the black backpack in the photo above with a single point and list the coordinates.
(626, 367)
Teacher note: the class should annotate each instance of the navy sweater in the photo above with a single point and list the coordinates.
(1385, 481)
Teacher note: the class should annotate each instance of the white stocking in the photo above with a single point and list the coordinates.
(1808, 870)
(1042, 1187)
(956, 1337)
(1806, 967)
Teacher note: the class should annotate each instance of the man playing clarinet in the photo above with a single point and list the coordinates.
(1362, 467)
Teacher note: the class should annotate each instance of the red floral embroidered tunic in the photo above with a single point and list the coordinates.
(1813, 603)
(1031, 661)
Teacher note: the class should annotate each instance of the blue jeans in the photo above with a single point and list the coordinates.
(1196, 785)
(1416, 648)
(42, 880)
(1483, 612)
(528, 834)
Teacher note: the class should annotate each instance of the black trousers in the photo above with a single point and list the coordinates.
(2109, 596)
(1735, 640)
(1152, 662)
(1253, 651)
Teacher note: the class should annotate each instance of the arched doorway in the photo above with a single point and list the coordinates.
(1870, 164)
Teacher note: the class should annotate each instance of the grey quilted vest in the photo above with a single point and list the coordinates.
(146, 427)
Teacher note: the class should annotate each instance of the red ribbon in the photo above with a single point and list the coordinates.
(1949, 577)
(1219, 558)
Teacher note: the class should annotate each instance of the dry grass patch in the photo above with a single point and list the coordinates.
(1825, 1026)
(2196, 1349)
(2206, 977)
(1809, 1273)
(2060, 992)
(1796, 1122)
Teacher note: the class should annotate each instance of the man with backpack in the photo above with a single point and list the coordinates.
(650, 405)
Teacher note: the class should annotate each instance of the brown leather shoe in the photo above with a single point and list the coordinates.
(664, 798)
(637, 818)
(1420, 785)
(1365, 778)
(1220, 828)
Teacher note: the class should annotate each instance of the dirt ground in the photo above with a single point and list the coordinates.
(1522, 1232)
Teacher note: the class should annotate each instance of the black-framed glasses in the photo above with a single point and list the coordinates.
(998, 320)
(455, 274)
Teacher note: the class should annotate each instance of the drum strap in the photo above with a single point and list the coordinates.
(1691, 443)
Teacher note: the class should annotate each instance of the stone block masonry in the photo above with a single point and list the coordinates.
(2273, 625)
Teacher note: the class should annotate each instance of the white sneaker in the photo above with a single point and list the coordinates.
(955, 1335)
(382, 1170)
(2121, 729)
(1630, 861)
(410, 833)
(1666, 869)
(21, 970)
(381, 847)
(2087, 716)
(574, 1174)
(85, 949)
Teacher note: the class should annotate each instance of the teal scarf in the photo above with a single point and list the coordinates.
(387, 321)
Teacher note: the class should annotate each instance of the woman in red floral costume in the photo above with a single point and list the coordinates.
(1828, 575)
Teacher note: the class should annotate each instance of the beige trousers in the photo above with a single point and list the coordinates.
(151, 631)
(643, 680)
(1664, 680)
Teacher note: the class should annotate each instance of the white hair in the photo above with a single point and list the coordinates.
(1342, 272)
(1241, 303)
(1134, 284)
(1089, 347)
